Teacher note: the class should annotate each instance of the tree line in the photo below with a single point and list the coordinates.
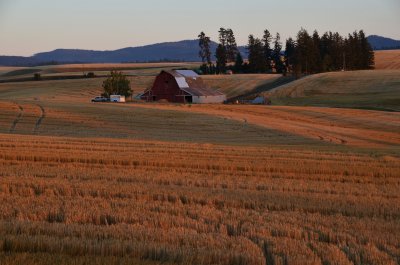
(307, 54)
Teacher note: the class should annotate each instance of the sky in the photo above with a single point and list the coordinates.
(31, 26)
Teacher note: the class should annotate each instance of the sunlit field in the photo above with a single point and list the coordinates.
(379, 90)
(138, 183)
(389, 60)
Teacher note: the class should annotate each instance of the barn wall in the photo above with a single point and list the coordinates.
(165, 87)
(209, 99)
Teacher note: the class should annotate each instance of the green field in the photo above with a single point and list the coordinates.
(376, 90)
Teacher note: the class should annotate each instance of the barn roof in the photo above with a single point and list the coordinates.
(192, 83)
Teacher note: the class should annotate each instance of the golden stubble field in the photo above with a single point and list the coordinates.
(127, 201)
(389, 60)
(84, 183)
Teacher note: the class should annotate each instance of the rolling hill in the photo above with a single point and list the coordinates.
(378, 90)
(387, 59)
(138, 183)
(382, 43)
(181, 51)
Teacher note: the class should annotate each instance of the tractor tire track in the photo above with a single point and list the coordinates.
(40, 120)
(18, 119)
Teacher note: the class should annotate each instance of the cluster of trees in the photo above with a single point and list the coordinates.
(264, 54)
(308, 54)
(311, 54)
(226, 52)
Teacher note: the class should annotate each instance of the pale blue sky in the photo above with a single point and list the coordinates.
(30, 26)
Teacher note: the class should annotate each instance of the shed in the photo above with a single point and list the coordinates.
(182, 86)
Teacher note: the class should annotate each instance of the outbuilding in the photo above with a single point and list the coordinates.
(182, 86)
(117, 98)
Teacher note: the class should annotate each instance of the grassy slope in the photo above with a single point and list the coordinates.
(234, 85)
(68, 112)
(378, 90)
(125, 122)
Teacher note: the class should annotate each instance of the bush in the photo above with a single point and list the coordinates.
(90, 75)
(37, 77)
(117, 84)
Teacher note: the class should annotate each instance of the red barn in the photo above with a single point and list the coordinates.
(182, 86)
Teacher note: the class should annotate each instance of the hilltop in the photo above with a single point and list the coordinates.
(179, 51)
(378, 90)
(382, 43)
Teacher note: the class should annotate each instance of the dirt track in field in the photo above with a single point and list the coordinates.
(18, 118)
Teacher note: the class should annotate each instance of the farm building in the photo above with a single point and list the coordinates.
(182, 86)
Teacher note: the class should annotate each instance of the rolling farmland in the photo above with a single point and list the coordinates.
(387, 60)
(378, 90)
(190, 203)
(84, 183)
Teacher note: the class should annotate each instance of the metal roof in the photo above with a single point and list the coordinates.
(192, 83)
(187, 73)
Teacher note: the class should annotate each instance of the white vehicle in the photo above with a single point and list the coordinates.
(117, 98)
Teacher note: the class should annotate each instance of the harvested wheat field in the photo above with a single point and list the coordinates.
(85, 183)
(140, 77)
(387, 60)
(330, 125)
(194, 203)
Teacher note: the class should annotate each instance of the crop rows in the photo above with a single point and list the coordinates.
(65, 200)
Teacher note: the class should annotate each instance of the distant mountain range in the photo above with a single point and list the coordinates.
(181, 51)
(382, 43)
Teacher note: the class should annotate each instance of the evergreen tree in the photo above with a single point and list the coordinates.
(231, 46)
(290, 54)
(238, 63)
(256, 55)
(325, 44)
(276, 54)
(316, 65)
(223, 38)
(205, 52)
(367, 53)
(303, 52)
(337, 51)
(331, 52)
(267, 39)
(221, 59)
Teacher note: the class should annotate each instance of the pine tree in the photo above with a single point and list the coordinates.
(367, 53)
(276, 54)
(267, 39)
(331, 52)
(337, 51)
(303, 52)
(256, 55)
(231, 46)
(325, 44)
(316, 53)
(238, 63)
(223, 37)
(220, 54)
(205, 51)
(290, 54)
